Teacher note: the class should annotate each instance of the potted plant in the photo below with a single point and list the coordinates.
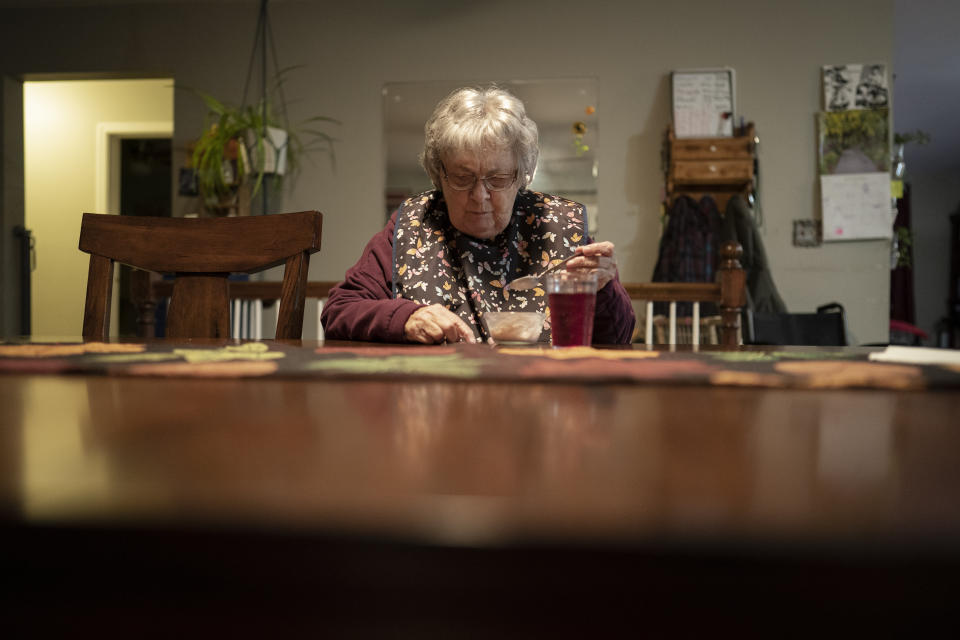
(242, 146)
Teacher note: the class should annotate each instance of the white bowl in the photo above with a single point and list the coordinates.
(508, 327)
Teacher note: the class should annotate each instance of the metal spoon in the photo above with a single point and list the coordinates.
(529, 282)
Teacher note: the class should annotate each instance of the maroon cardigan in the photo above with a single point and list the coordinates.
(362, 307)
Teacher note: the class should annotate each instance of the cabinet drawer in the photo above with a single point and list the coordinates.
(710, 171)
(706, 148)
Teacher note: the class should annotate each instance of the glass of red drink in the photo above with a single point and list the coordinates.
(572, 296)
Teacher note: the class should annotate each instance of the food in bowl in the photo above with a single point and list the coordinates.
(514, 326)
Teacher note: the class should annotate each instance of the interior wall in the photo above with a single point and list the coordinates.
(11, 204)
(60, 135)
(351, 49)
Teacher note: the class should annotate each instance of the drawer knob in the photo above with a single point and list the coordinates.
(713, 147)
(713, 168)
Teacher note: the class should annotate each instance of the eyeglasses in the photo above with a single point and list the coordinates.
(467, 181)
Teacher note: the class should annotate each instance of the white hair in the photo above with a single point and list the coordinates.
(474, 119)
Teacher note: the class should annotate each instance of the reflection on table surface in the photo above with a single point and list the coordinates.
(473, 465)
(484, 461)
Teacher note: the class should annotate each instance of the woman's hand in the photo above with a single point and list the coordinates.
(436, 323)
(598, 257)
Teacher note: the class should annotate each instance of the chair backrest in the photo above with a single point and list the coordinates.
(201, 252)
(827, 327)
(728, 292)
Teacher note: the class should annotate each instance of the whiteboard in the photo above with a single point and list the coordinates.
(703, 103)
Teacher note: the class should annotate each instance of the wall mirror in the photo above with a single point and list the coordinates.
(566, 114)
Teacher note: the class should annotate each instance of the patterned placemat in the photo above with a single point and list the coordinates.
(784, 368)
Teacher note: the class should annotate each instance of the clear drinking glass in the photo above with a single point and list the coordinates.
(572, 297)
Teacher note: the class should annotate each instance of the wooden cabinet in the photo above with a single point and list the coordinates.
(718, 167)
(712, 172)
(740, 147)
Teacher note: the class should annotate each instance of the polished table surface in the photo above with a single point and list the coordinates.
(851, 493)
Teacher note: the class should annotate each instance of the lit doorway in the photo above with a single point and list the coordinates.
(74, 133)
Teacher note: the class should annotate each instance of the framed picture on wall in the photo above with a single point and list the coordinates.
(703, 102)
(855, 86)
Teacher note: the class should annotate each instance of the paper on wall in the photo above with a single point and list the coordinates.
(856, 206)
(855, 86)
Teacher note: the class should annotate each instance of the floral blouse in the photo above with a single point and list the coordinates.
(434, 263)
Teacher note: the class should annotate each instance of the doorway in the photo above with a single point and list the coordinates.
(146, 172)
(73, 137)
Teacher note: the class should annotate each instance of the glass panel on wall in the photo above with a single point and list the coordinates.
(565, 111)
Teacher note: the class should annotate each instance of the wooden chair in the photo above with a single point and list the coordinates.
(202, 252)
(728, 292)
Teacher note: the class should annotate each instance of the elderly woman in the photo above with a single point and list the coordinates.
(445, 256)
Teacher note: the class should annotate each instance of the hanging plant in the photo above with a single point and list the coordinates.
(918, 136)
(250, 144)
(902, 248)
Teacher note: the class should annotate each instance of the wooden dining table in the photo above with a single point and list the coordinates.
(374, 503)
